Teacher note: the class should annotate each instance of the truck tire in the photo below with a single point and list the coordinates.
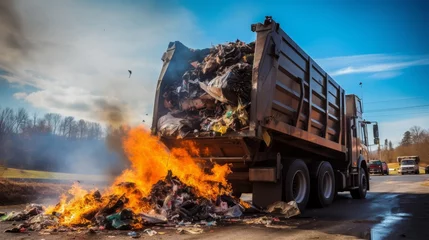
(297, 183)
(360, 193)
(323, 187)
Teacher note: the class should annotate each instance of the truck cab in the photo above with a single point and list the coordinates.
(408, 165)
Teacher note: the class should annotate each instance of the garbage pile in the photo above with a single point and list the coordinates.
(173, 204)
(213, 96)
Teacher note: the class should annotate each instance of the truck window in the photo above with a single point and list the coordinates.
(358, 105)
(408, 162)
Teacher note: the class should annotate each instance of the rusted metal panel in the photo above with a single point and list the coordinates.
(291, 94)
(317, 98)
(262, 174)
(221, 150)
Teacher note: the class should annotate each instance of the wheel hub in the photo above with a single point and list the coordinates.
(299, 186)
(327, 185)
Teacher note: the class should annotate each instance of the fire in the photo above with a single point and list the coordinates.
(150, 162)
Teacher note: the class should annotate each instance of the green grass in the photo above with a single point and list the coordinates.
(32, 174)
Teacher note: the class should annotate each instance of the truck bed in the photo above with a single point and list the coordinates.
(293, 100)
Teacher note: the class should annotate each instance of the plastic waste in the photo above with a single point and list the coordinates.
(150, 232)
(133, 234)
(234, 211)
(289, 209)
(153, 218)
(191, 230)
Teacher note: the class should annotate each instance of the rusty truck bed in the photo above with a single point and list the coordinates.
(293, 99)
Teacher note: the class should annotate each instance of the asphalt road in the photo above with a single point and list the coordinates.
(397, 207)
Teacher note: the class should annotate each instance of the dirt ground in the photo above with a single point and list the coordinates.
(397, 207)
(13, 192)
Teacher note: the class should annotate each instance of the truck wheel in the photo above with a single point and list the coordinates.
(323, 188)
(360, 193)
(297, 183)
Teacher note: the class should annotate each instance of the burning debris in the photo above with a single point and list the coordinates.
(163, 188)
(171, 202)
(213, 96)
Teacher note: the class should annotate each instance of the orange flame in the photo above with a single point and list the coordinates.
(150, 162)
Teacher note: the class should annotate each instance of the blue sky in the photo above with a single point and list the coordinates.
(81, 51)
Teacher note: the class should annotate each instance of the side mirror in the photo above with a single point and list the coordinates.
(376, 134)
(376, 141)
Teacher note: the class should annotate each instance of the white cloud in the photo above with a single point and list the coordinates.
(385, 75)
(78, 54)
(376, 64)
(20, 95)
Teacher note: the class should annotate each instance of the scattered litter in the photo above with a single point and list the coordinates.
(289, 209)
(261, 220)
(191, 230)
(13, 230)
(150, 232)
(133, 234)
(121, 220)
(29, 211)
(277, 226)
(234, 211)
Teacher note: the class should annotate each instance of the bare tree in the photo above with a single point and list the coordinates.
(56, 121)
(82, 129)
(49, 120)
(69, 126)
(35, 116)
(21, 120)
(7, 125)
(417, 134)
(7, 121)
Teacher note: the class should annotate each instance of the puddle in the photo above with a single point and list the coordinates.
(382, 230)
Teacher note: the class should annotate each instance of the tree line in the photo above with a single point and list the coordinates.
(53, 142)
(20, 122)
(415, 141)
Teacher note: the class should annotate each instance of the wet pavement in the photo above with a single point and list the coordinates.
(397, 207)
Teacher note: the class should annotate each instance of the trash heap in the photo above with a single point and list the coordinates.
(213, 96)
(173, 204)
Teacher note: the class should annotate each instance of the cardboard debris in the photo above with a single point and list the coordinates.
(213, 95)
(289, 209)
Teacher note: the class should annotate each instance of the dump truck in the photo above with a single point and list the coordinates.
(306, 141)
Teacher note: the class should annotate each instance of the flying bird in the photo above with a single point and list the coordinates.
(130, 73)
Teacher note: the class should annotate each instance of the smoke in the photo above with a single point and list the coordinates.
(13, 41)
(64, 60)
(113, 113)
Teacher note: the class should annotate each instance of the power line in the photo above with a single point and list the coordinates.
(399, 114)
(396, 109)
(404, 111)
(394, 99)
